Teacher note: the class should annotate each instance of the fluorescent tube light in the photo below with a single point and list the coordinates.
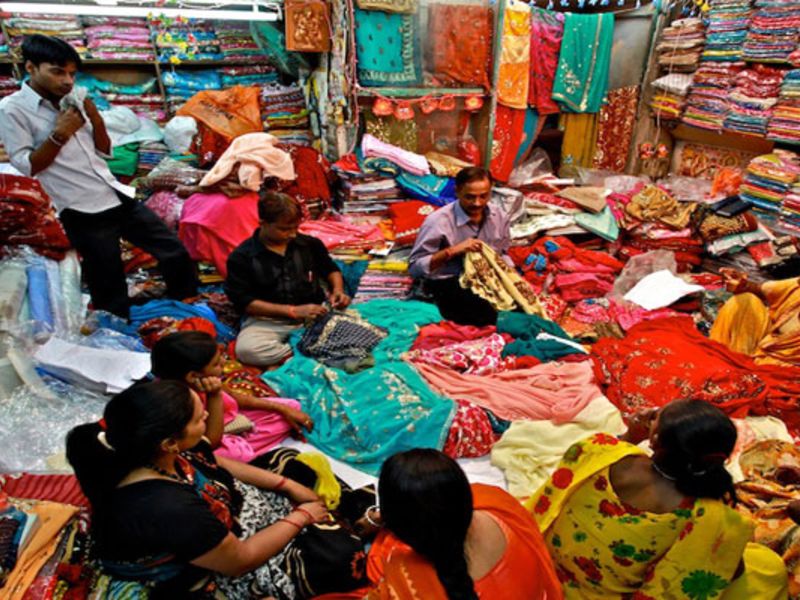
(139, 11)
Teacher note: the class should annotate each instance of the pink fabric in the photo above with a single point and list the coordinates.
(416, 164)
(476, 357)
(257, 158)
(553, 391)
(269, 429)
(444, 333)
(342, 234)
(212, 225)
(578, 286)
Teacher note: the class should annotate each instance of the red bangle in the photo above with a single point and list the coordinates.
(311, 518)
(281, 483)
(290, 522)
(292, 313)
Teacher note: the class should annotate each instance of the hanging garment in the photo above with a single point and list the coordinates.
(615, 129)
(581, 80)
(509, 131)
(252, 157)
(547, 29)
(341, 340)
(307, 26)
(461, 43)
(579, 143)
(488, 276)
(696, 549)
(515, 56)
(387, 47)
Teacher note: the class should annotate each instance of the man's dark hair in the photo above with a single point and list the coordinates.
(40, 49)
(470, 174)
(273, 206)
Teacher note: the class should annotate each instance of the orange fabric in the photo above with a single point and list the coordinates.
(525, 567)
(230, 113)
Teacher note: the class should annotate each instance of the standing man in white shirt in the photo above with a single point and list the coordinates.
(64, 150)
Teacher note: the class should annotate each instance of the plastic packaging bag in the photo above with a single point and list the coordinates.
(538, 164)
(625, 184)
(178, 134)
(639, 267)
(229, 113)
(688, 189)
(592, 177)
(170, 173)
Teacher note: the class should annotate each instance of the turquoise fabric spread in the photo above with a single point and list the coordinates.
(366, 417)
(528, 135)
(388, 49)
(581, 80)
(603, 224)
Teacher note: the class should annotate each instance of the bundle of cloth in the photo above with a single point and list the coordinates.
(769, 179)
(185, 40)
(68, 28)
(112, 38)
(284, 112)
(707, 104)
(728, 22)
(772, 36)
(237, 44)
(752, 100)
(670, 96)
(681, 45)
(784, 126)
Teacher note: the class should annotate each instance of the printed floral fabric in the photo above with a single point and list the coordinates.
(477, 357)
(547, 29)
(307, 26)
(654, 204)
(515, 56)
(461, 43)
(387, 47)
(604, 548)
(581, 79)
(407, 7)
(615, 129)
(471, 434)
(488, 276)
(696, 160)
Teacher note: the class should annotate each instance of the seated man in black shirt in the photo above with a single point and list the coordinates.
(275, 279)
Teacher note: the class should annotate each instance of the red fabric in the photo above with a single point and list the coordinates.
(314, 176)
(668, 359)
(447, 332)
(407, 218)
(55, 488)
(471, 434)
(509, 129)
(27, 218)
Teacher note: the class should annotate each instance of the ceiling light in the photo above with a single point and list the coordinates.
(140, 11)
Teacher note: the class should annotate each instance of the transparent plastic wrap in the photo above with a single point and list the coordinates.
(13, 289)
(170, 173)
(592, 177)
(688, 189)
(511, 201)
(639, 267)
(33, 426)
(537, 165)
(625, 184)
(179, 133)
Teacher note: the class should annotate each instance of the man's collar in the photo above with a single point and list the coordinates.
(462, 218)
(31, 95)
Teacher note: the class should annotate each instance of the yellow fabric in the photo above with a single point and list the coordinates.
(53, 517)
(515, 56)
(579, 143)
(770, 333)
(604, 549)
(764, 576)
(327, 486)
(654, 204)
(487, 275)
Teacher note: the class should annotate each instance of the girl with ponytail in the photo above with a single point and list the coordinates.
(181, 522)
(443, 539)
(620, 524)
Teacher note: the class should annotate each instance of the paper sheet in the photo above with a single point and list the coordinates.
(660, 289)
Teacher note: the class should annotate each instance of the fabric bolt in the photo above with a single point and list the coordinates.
(340, 339)
(515, 56)
(604, 548)
(615, 129)
(581, 79)
(556, 391)
(529, 451)
(547, 30)
(461, 42)
(415, 164)
(255, 158)
(667, 359)
(488, 276)
(387, 46)
(348, 424)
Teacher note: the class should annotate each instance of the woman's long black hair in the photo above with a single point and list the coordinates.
(426, 501)
(695, 438)
(136, 422)
(176, 355)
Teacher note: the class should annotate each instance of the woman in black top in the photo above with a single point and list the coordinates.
(167, 512)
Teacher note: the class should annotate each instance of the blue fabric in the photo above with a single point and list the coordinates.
(38, 294)
(433, 189)
(352, 272)
(165, 308)
(528, 135)
(387, 48)
(365, 417)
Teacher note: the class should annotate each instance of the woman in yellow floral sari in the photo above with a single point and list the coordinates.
(761, 320)
(620, 525)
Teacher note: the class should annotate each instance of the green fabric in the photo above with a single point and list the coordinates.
(125, 161)
(388, 48)
(272, 41)
(524, 329)
(603, 224)
(363, 418)
(581, 80)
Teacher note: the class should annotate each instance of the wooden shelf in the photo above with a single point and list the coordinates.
(414, 92)
(728, 139)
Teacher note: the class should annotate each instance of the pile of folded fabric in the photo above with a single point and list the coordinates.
(4, 50)
(112, 38)
(343, 236)
(258, 75)
(8, 85)
(150, 154)
(790, 213)
(182, 85)
(681, 45)
(773, 31)
(386, 278)
(143, 98)
(185, 40)
(728, 21)
(68, 28)
(769, 179)
(237, 44)
(670, 95)
(284, 113)
(785, 123)
(751, 102)
(707, 103)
